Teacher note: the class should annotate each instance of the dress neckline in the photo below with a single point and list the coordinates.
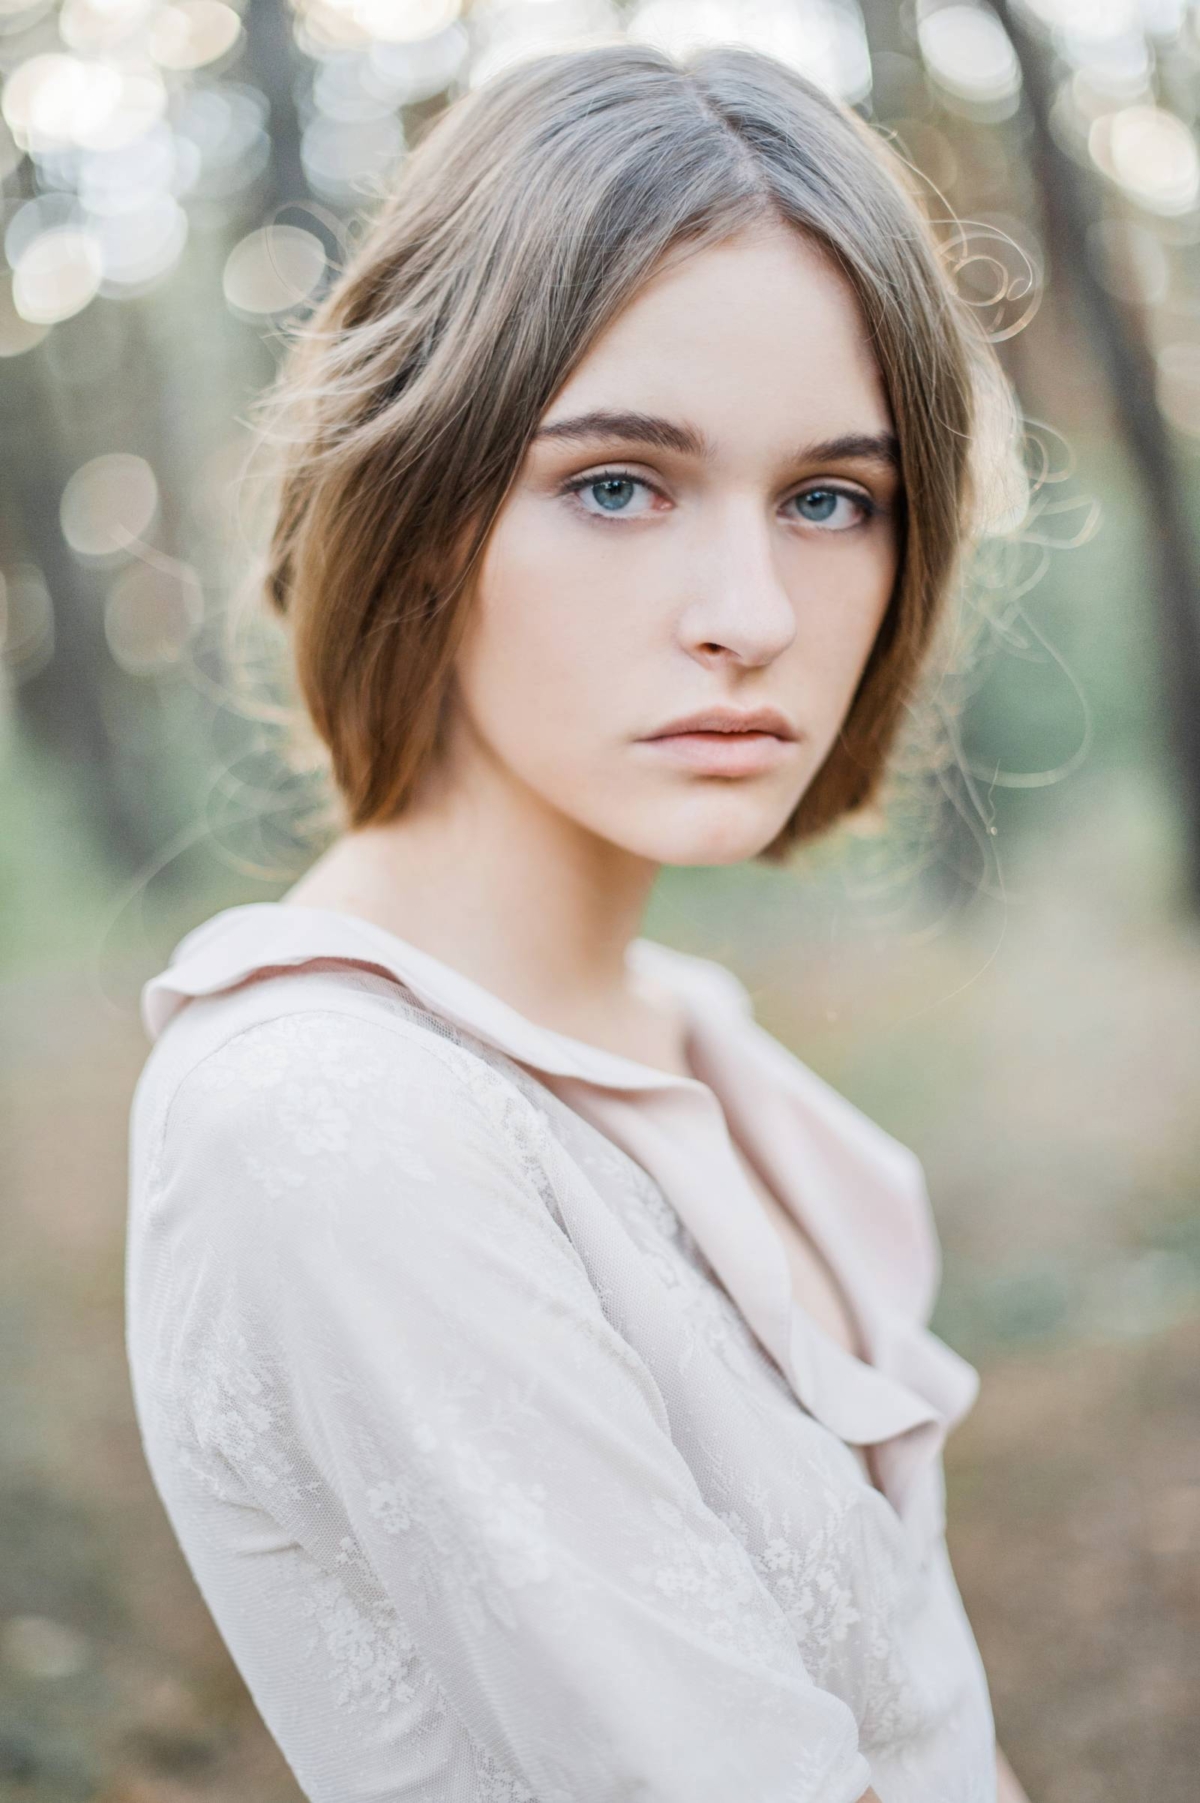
(855, 1190)
(292, 924)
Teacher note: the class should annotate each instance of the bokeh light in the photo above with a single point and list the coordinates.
(108, 505)
(94, 27)
(407, 21)
(56, 274)
(17, 334)
(194, 34)
(343, 159)
(272, 270)
(151, 614)
(823, 39)
(505, 33)
(222, 131)
(1150, 153)
(969, 54)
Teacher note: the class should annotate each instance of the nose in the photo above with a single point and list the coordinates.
(739, 610)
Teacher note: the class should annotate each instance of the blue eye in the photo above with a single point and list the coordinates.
(827, 499)
(612, 489)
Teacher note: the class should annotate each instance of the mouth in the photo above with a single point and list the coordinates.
(725, 741)
(721, 752)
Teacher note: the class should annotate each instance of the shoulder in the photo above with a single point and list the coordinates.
(319, 1153)
(334, 1068)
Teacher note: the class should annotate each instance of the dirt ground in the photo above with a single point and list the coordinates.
(1074, 1498)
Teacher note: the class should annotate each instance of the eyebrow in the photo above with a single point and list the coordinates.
(881, 448)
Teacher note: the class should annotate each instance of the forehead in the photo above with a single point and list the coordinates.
(758, 332)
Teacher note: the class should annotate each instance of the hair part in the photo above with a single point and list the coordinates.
(529, 215)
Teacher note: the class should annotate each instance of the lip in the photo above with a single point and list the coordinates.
(725, 742)
(729, 720)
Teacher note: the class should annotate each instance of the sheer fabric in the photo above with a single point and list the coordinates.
(468, 1372)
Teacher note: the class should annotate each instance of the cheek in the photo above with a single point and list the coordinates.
(538, 660)
(853, 601)
(837, 625)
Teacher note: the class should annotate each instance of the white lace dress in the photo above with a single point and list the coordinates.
(468, 1371)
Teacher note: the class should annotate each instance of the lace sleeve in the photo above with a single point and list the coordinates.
(360, 1218)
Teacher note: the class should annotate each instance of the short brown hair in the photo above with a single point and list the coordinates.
(527, 217)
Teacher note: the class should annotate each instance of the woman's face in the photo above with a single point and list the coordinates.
(705, 520)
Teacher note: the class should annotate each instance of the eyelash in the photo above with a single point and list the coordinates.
(578, 484)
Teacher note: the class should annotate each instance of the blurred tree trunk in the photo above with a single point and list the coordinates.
(61, 704)
(1128, 363)
(274, 66)
(888, 34)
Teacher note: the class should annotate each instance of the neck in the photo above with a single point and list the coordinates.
(493, 881)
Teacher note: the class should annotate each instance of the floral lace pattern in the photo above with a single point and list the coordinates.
(368, 1650)
(490, 1488)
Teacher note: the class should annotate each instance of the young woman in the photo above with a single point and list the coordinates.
(530, 1352)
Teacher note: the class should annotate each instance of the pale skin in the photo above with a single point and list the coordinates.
(729, 538)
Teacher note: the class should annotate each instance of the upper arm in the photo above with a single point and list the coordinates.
(367, 1223)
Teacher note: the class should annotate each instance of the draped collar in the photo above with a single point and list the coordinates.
(858, 1193)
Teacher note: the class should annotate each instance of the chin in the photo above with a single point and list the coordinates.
(733, 835)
